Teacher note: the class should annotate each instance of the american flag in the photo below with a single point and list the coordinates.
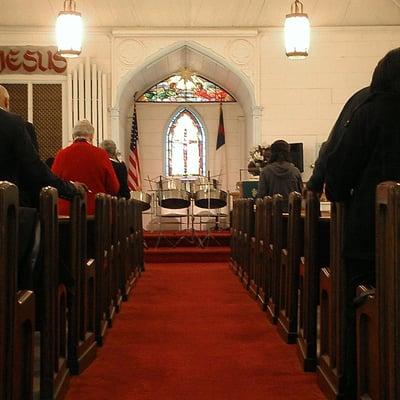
(134, 181)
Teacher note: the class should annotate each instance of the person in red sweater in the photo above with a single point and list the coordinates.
(83, 162)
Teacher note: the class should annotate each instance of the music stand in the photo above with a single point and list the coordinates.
(210, 236)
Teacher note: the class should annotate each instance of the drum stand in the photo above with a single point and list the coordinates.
(193, 238)
(159, 215)
(206, 240)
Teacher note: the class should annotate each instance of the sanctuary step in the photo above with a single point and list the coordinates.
(187, 238)
(187, 254)
(187, 246)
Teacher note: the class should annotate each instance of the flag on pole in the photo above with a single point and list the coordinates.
(220, 154)
(134, 180)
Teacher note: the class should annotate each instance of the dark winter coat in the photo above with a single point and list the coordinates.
(122, 175)
(367, 154)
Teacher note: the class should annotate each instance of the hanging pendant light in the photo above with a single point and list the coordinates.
(297, 32)
(69, 29)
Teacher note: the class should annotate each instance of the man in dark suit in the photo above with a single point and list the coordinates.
(21, 165)
(19, 160)
(32, 134)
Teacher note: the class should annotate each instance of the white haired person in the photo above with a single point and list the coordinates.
(83, 162)
(119, 167)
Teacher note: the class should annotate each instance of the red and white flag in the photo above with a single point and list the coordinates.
(134, 180)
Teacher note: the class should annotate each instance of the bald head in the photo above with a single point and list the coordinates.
(4, 98)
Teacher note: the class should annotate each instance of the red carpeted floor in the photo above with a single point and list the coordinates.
(190, 332)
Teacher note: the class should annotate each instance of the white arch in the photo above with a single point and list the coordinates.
(132, 82)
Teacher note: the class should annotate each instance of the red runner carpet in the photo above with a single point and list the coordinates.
(191, 332)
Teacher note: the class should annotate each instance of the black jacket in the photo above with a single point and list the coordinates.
(122, 175)
(367, 154)
(19, 162)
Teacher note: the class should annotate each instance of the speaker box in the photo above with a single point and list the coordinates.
(296, 155)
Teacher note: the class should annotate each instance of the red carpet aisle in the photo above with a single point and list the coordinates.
(191, 332)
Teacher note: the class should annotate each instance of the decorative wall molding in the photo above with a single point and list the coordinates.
(241, 51)
(130, 51)
(174, 33)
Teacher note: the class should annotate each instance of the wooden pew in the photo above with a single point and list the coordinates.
(54, 373)
(332, 310)
(248, 234)
(316, 238)
(101, 259)
(255, 256)
(81, 335)
(115, 254)
(124, 254)
(108, 273)
(388, 287)
(234, 235)
(289, 283)
(133, 263)
(259, 262)
(17, 309)
(367, 333)
(242, 230)
(240, 234)
(276, 246)
(266, 257)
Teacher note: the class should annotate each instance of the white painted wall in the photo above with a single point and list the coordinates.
(294, 100)
(302, 98)
(152, 122)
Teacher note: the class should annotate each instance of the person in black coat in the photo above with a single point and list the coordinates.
(367, 154)
(119, 167)
(32, 134)
(317, 179)
(20, 164)
(19, 160)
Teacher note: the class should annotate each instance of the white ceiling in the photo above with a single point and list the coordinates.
(201, 13)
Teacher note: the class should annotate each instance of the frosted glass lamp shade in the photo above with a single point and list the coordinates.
(297, 32)
(69, 30)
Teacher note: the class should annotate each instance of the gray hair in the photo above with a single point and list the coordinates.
(82, 129)
(110, 147)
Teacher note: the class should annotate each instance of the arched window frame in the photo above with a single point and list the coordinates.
(203, 130)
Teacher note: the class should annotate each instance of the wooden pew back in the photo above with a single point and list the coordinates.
(54, 374)
(289, 283)
(388, 287)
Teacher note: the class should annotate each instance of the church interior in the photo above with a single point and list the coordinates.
(213, 276)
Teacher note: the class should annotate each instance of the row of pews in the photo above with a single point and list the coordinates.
(291, 265)
(53, 331)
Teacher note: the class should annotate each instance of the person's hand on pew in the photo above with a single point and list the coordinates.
(81, 187)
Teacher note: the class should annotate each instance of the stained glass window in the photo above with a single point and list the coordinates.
(187, 89)
(185, 145)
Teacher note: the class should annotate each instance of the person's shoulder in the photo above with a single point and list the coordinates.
(293, 168)
(9, 117)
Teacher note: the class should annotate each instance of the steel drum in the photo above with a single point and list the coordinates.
(205, 183)
(172, 194)
(143, 198)
(210, 197)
